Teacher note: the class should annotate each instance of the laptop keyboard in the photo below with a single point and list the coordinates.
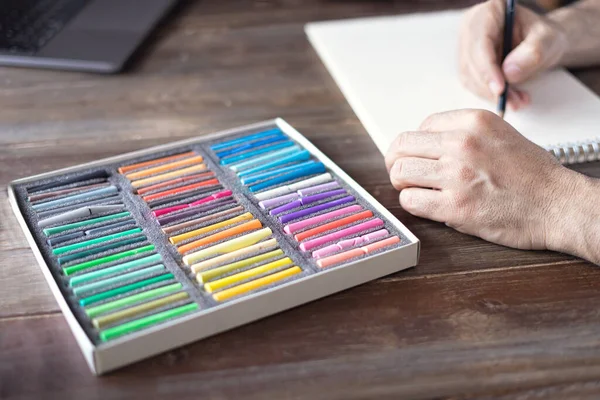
(27, 25)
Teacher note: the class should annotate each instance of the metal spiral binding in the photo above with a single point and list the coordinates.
(576, 153)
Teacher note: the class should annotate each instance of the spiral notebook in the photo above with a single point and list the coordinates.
(395, 71)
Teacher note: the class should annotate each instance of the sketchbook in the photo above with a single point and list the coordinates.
(397, 70)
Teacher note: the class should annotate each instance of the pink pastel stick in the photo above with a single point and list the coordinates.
(212, 197)
(296, 226)
(311, 244)
(349, 243)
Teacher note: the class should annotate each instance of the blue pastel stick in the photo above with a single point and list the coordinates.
(64, 238)
(255, 161)
(317, 168)
(109, 227)
(302, 155)
(81, 196)
(98, 250)
(230, 143)
(248, 180)
(245, 156)
(252, 145)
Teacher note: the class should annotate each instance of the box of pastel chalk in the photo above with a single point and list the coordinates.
(154, 249)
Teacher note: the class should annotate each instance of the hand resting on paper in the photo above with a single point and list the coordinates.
(473, 171)
(568, 36)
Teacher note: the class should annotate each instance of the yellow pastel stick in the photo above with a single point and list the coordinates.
(228, 246)
(255, 284)
(168, 175)
(234, 255)
(196, 232)
(206, 276)
(242, 276)
(164, 167)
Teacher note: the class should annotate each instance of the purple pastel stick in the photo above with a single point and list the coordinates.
(308, 211)
(306, 200)
(278, 200)
(195, 210)
(318, 188)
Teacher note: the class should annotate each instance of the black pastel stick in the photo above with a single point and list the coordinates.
(509, 18)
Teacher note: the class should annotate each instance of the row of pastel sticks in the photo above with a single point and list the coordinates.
(107, 263)
(227, 247)
(323, 217)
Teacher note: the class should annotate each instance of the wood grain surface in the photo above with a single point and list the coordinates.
(472, 320)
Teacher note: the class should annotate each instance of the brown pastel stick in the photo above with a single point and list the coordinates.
(173, 228)
(127, 168)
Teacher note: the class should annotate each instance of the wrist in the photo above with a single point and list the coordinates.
(572, 223)
(577, 26)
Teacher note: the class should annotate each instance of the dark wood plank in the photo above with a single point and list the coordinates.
(400, 337)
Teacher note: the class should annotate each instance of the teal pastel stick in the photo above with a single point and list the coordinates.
(100, 249)
(248, 180)
(81, 196)
(105, 283)
(123, 289)
(255, 136)
(115, 269)
(255, 161)
(233, 159)
(102, 239)
(74, 225)
(302, 155)
(317, 168)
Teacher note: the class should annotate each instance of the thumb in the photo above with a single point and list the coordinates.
(529, 57)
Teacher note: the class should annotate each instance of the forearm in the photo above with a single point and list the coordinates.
(581, 24)
(576, 212)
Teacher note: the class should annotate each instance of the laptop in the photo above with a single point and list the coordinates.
(85, 35)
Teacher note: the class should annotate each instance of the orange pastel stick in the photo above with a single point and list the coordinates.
(164, 167)
(248, 226)
(338, 258)
(333, 224)
(174, 181)
(168, 175)
(181, 189)
(127, 168)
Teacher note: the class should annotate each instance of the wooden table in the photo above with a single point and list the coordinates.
(473, 319)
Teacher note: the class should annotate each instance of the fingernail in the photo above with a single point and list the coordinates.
(512, 71)
(495, 87)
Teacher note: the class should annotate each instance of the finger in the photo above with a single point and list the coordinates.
(446, 121)
(415, 144)
(486, 68)
(412, 171)
(530, 57)
(513, 100)
(425, 203)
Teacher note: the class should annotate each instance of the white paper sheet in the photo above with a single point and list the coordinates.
(395, 71)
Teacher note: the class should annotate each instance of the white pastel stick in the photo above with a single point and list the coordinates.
(280, 191)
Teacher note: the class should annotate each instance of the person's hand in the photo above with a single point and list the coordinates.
(538, 45)
(473, 171)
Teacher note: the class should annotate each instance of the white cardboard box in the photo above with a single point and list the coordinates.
(201, 324)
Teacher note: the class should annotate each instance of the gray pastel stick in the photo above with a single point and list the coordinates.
(80, 196)
(99, 201)
(78, 213)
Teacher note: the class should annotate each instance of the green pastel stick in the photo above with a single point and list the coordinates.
(113, 257)
(139, 310)
(206, 276)
(123, 289)
(141, 323)
(100, 249)
(133, 299)
(140, 262)
(83, 289)
(62, 228)
(64, 249)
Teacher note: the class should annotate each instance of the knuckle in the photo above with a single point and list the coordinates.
(536, 52)
(460, 206)
(469, 143)
(427, 122)
(466, 173)
(481, 118)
